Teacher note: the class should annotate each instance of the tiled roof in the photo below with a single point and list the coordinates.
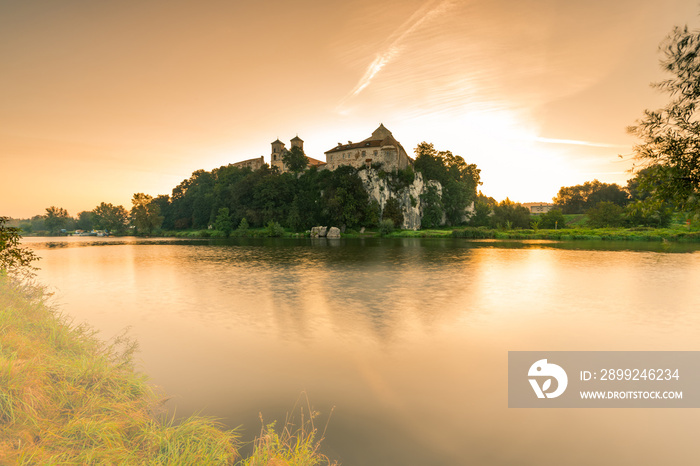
(356, 145)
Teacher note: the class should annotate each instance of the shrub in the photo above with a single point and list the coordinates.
(552, 219)
(386, 227)
(605, 214)
(274, 229)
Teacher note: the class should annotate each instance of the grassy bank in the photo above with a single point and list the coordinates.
(68, 398)
(570, 234)
(676, 233)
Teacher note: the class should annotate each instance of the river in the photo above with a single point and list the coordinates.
(405, 341)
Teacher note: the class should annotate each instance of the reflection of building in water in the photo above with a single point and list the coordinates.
(380, 147)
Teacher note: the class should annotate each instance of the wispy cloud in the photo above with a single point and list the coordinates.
(394, 43)
(575, 142)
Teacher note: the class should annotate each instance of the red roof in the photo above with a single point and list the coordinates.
(356, 145)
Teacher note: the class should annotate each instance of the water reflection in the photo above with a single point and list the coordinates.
(407, 338)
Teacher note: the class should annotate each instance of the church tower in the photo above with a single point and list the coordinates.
(297, 142)
(276, 156)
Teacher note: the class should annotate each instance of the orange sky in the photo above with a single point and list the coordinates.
(99, 100)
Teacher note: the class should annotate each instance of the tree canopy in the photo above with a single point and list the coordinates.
(670, 136)
(459, 180)
(13, 258)
(579, 198)
(295, 160)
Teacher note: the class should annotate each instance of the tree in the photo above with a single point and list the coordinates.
(13, 258)
(393, 212)
(433, 209)
(55, 219)
(145, 214)
(459, 179)
(670, 136)
(579, 198)
(605, 214)
(223, 221)
(554, 219)
(295, 160)
(85, 220)
(110, 217)
(508, 214)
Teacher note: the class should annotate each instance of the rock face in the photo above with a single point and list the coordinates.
(333, 233)
(380, 189)
(319, 232)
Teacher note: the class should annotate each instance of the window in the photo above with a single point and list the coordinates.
(274, 157)
(375, 152)
(363, 153)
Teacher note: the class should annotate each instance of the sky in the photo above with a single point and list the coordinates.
(100, 100)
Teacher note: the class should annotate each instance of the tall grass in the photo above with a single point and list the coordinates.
(296, 443)
(66, 397)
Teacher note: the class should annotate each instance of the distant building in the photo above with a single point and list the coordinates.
(278, 150)
(539, 207)
(253, 164)
(380, 147)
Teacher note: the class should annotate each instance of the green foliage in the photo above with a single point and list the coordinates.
(346, 201)
(670, 136)
(554, 219)
(110, 217)
(605, 214)
(579, 198)
(475, 233)
(290, 445)
(223, 221)
(373, 213)
(508, 214)
(242, 229)
(652, 212)
(393, 212)
(86, 221)
(294, 219)
(274, 229)
(68, 398)
(433, 209)
(145, 214)
(459, 180)
(480, 217)
(386, 227)
(56, 219)
(295, 160)
(14, 259)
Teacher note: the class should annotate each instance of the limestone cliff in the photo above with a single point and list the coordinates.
(381, 187)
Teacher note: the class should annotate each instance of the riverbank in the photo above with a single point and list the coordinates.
(675, 234)
(68, 398)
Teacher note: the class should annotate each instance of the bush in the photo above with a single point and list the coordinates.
(386, 227)
(605, 214)
(393, 211)
(274, 229)
(554, 219)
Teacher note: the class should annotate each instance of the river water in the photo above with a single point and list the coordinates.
(405, 341)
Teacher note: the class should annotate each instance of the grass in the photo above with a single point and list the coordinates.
(68, 398)
(569, 234)
(290, 445)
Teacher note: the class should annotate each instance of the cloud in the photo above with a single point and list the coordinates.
(575, 142)
(394, 42)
